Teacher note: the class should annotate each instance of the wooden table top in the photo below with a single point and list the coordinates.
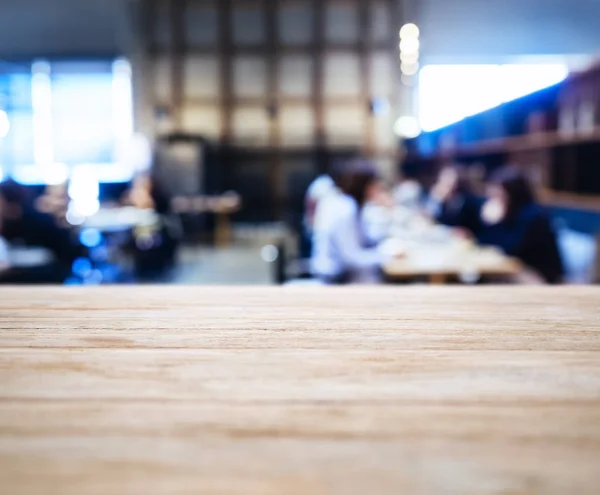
(379, 390)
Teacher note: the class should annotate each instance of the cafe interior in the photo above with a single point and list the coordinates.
(299, 142)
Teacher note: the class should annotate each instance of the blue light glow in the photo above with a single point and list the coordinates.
(90, 238)
(82, 267)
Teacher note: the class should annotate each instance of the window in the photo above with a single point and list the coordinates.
(68, 113)
(449, 93)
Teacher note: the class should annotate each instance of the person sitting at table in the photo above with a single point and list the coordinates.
(318, 189)
(408, 193)
(520, 227)
(342, 252)
(452, 203)
(146, 192)
(22, 222)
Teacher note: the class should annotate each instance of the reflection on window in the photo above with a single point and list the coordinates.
(82, 118)
(68, 113)
(15, 100)
(449, 93)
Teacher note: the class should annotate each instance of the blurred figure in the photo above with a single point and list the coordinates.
(408, 192)
(4, 257)
(452, 203)
(377, 215)
(22, 222)
(140, 194)
(155, 250)
(342, 252)
(517, 225)
(318, 189)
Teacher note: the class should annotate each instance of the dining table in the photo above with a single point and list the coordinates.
(441, 264)
(420, 249)
(414, 390)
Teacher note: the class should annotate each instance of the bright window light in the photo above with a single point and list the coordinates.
(41, 101)
(4, 124)
(122, 103)
(449, 93)
(59, 115)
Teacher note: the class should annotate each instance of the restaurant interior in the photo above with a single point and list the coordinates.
(299, 142)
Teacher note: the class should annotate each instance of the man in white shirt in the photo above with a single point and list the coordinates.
(319, 189)
(341, 252)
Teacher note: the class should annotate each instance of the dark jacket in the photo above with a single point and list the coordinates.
(40, 229)
(528, 236)
(463, 210)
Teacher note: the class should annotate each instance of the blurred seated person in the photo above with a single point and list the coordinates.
(4, 258)
(342, 252)
(452, 203)
(54, 200)
(408, 193)
(22, 222)
(318, 189)
(155, 253)
(521, 228)
(377, 216)
(142, 193)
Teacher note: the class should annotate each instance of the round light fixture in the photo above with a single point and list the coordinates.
(409, 30)
(409, 69)
(410, 46)
(407, 127)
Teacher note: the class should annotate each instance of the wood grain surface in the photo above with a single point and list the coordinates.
(379, 390)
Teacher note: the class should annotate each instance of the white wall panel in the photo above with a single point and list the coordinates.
(345, 125)
(295, 77)
(297, 125)
(384, 138)
(201, 77)
(249, 76)
(251, 126)
(382, 74)
(342, 75)
(162, 79)
(203, 120)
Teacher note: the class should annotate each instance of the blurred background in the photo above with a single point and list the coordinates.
(299, 141)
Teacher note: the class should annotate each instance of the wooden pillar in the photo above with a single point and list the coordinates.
(177, 30)
(226, 61)
(365, 53)
(318, 50)
(276, 169)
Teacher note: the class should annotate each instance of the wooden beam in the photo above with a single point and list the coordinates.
(225, 60)
(276, 171)
(259, 50)
(318, 83)
(178, 43)
(279, 99)
(366, 92)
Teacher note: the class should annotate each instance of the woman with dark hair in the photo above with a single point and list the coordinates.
(342, 252)
(521, 228)
(452, 203)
